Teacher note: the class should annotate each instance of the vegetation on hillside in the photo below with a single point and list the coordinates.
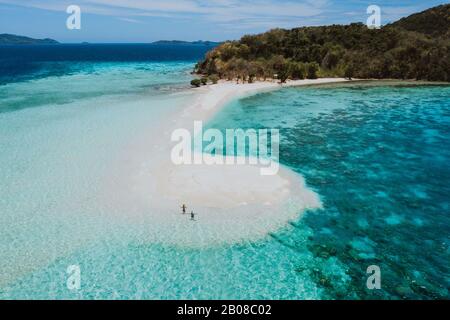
(434, 22)
(407, 49)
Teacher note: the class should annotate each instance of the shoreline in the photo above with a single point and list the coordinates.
(227, 91)
(232, 203)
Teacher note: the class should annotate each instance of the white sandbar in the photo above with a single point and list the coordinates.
(232, 203)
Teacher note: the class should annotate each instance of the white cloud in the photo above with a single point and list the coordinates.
(221, 11)
(130, 20)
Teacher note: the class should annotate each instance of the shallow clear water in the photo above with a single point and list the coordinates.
(377, 156)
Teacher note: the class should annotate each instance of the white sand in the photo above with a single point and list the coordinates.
(215, 96)
(232, 203)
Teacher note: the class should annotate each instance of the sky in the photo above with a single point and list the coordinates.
(142, 21)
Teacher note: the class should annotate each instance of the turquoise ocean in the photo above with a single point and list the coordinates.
(378, 156)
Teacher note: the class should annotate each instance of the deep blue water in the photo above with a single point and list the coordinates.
(25, 62)
(379, 158)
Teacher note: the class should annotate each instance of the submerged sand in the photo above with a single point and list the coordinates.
(232, 203)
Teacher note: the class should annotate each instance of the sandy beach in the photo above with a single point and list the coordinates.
(231, 203)
(213, 97)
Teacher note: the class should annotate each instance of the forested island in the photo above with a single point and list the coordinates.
(416, 47)
(12, 39)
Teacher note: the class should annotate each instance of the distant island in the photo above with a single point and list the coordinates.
(11, 39)
(179, 42)
(416, 47)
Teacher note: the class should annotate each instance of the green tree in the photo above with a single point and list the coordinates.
(214, 79)
(196, 83)
(313, 69)
(349, 72)
(297, 70)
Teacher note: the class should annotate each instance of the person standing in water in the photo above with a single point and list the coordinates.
(183, 207)
(192, 215)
